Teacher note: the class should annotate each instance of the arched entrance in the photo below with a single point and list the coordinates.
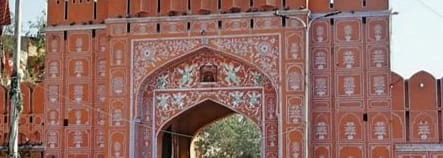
(168, 97)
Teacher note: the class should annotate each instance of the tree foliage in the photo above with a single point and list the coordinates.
(233, 137)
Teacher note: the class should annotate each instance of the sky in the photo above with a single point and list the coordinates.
(417, 34)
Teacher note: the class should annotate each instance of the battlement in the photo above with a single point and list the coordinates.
(86, 12)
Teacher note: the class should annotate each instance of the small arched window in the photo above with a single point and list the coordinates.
(208, 73)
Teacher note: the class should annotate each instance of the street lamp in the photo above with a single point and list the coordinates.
(307, 27)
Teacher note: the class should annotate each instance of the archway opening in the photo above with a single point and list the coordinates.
(177, 136)
(232, 136)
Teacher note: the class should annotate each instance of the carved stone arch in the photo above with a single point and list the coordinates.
(175, 87)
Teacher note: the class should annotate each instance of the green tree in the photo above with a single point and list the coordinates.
(233, 137)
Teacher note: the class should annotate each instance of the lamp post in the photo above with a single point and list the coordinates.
(307, 27)
(15, 93)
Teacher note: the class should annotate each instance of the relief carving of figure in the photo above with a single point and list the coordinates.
(231, 74)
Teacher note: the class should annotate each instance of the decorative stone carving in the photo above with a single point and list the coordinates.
(321, 130)
(294, 50)
(101, 68)
(118, 57)
(378, 58)
(320, 60)
(117, 117)
(54, 45)
(179, 99)
(321, 86)
(208, 73)
(348, 59)
(379, 85)
(162, 101)
(295, 150)
(117, 85)
(101, 93)
(378, 32)
(52, 139)
(187, 75)
(380, 130)
(257, 78)
(117, 149)
(254, 99)
(53, 69)
(349, 85)
(295, 113)
(348, 32)
(162, 81)
(101, 118)
(424, 131)
(237, 98)
(52, 117)
(231, 74)
(320, 31)
(78, 68)
(79, 45)
(78, 117)
(294, 81)
(100, 139)
(78, 93)
(78, 138)
(350, 130)
(53, 94)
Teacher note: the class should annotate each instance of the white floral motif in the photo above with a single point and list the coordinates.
(320, 31)
(321, 130)
(254, 99)
(320, 60)
(53, 69)
(231, 74)
(424, 130)
(295, 113)
(78, 138)
(117, 117)
(162, 81)
(295, 81)
(52, 139)
(162, 101)
(295, 150)
(117, 85)
(378, 31)
(320, 86)
(179, 100)
(348, 59)
(78, 68)
(380, 130)
(53, 94)
(378, 58)
(78, 44)
(237, 98)
(379, 85)
(78, 93)
(349, 85)
(348, 32)
(350, 130)
(294, 50)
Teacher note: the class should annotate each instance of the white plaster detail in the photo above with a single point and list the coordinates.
(237, 98)
(117, 149)
(52, 117)
(379, 85)
(350, 130)
(380, 130)
(53, 94)
(320, 31)
(424, 131)
(78, 138)
(321, 130)
(54, 45)
(101, 93)
(101, 68)
(78, 68)
(52, 139)
(117, 85)
(320, 60)
(378, 58)
(295, 150)
(378, 32)
(321, 86)
(294, 50)
(162, 101)
(118, 57)
(78, 93)
(179, 100)
(348, 59)
(100, 139)
(294, 81)
(53, 69)
(349, 85)
(78, 117)
(78, 45)
(254, 99)
(117, 117)
(295, 113)
(348, 32)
